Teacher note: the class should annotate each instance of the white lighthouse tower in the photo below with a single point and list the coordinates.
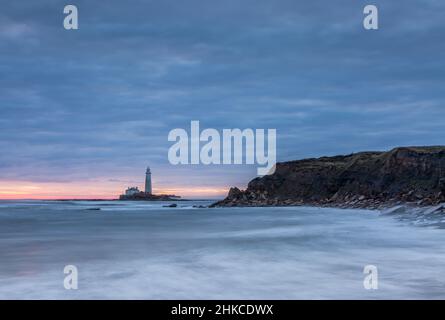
(148, 181)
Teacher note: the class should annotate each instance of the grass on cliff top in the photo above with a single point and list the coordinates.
(363, 156)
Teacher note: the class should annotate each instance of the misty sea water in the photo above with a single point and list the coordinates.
(143, 250)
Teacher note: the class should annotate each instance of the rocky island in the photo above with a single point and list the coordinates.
(134, 194)
(406, 175)
(143, 196)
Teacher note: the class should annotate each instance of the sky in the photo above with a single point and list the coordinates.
(84, 112)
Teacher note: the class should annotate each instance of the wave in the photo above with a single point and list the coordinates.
(432, 216)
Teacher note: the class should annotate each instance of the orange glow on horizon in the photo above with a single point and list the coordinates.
(16, 190)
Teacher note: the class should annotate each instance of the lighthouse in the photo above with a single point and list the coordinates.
(148, 181)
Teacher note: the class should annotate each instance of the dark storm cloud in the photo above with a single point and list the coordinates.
(101, 100)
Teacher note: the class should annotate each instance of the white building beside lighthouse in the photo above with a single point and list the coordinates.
(132, 191)
(148, 181)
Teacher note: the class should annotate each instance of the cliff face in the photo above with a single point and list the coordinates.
(366, 179)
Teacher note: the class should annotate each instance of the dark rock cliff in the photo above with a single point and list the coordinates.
(365, 179)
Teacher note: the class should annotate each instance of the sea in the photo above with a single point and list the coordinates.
(147, 250)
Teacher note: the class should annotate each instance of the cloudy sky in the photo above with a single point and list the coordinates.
(84, 112)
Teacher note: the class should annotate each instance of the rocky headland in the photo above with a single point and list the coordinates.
(374, 180)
